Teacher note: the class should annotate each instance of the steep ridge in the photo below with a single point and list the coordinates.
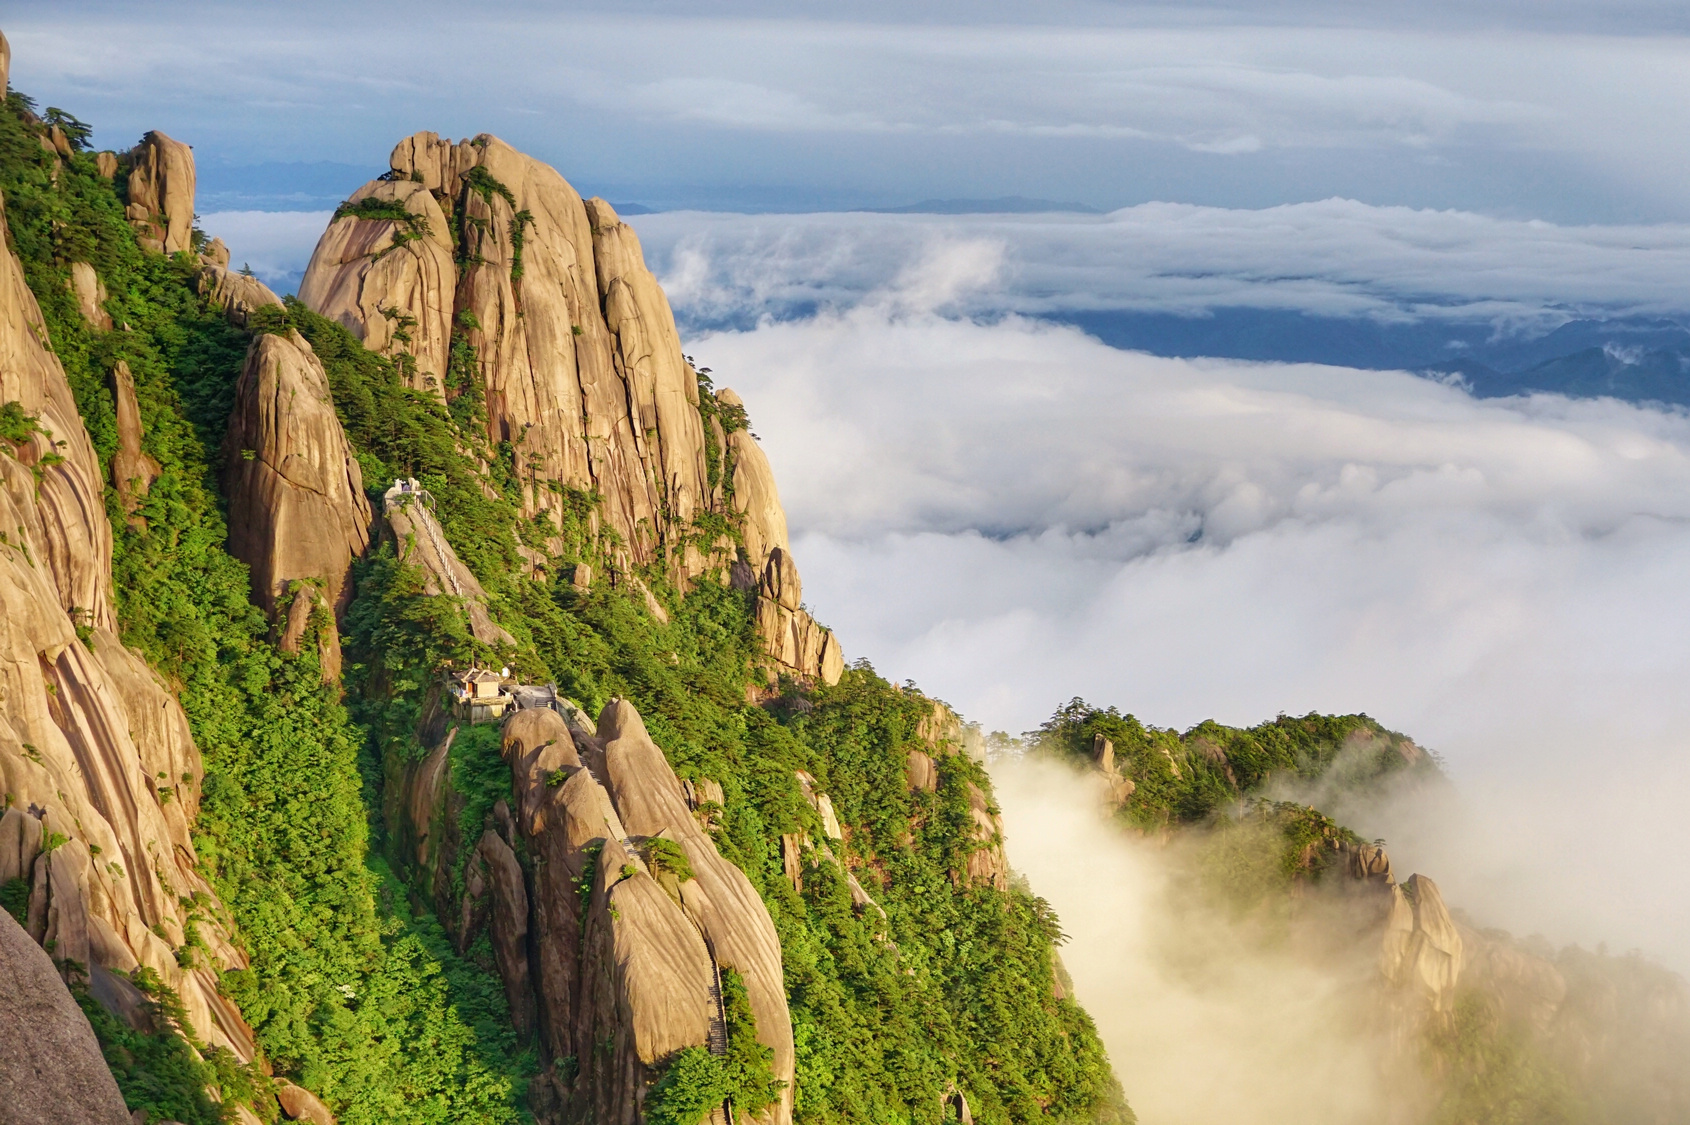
(487, 279)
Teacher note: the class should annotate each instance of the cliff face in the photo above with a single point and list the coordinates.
(99, 773)
(482, 271)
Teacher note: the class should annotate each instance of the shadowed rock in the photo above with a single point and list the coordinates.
(51, 1069)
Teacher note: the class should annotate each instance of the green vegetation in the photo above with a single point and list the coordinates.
(14, 899)
(694, 1081)
(163, 1071)
(1497, 1074)
(1186, 778)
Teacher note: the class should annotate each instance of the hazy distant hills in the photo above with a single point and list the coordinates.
(1636, 359)
(1003, 205)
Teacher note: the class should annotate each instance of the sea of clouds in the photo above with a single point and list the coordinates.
(1011, 513)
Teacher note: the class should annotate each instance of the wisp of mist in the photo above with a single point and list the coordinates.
(1204, 1023)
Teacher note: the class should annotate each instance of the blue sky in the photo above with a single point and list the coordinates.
(1568, 112)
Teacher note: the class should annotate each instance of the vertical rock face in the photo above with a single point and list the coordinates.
(99, 777)
(627, 976)
(755, 494)
(791, 637)
(161, 193)
(297, 510)
(1422, 950)
(390, 280)
(90, 295)
(55, 475)
(51, 1070)
(132, 471)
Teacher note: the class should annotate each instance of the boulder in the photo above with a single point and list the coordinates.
(5, 63)
(296, 495)
(301, 1104)
(105, 163)
(90, 294)
(215, 253)
(51, 1069)
(161, 193)
(237, 295)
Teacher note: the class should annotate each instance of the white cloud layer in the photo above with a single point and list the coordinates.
(1013, 514)
(1333, 258)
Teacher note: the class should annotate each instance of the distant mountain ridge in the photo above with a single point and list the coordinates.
(1002, 205)
(1636, 359)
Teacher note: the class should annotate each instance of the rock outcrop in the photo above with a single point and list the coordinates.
(99, 777)
(161, 193)
(297, 511)
(1117, 787)
(791, 637)
(301, 1104)
(390, 280)
(627, 977)
(1421, 951)
(90, 294)
(51, 1070)
(573, 347)
(132, 471)
(236, 294)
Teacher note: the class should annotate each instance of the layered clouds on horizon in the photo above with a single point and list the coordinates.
(1335, 258)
